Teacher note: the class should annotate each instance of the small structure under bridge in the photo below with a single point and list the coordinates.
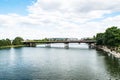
(91, 43)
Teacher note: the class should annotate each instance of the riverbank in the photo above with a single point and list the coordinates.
(109, 51)
(12, 46)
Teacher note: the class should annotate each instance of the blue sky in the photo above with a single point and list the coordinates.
(35, 19)
(113, 14)
(15, 6)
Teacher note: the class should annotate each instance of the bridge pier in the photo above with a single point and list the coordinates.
(91, 45)
(48, 45)
(66, 45)
(30, 44)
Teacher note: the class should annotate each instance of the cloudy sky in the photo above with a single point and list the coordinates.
(35, 19)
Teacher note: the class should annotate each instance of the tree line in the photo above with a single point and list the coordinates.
(110, 38)
(8, 42)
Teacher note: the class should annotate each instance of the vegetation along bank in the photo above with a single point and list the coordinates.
(109, 41)
(7, 43)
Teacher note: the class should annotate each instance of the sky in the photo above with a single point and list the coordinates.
(37, 19)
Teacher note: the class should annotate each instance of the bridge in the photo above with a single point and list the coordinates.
(28, 43)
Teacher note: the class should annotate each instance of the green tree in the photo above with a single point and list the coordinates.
(4, 42)
(112, 37)
(45, 39)
(1, 44)
(17, 41)
(100, 39)
(8, 42)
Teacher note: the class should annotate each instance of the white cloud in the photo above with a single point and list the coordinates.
(61, 18)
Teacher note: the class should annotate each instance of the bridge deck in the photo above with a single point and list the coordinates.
(81, 41)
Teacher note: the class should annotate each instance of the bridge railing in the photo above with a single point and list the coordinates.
(77, 41)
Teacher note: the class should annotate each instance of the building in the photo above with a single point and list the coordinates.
(62, 39)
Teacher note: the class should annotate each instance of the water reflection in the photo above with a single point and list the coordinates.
(31, 63)
(12, 57)
(112, 65)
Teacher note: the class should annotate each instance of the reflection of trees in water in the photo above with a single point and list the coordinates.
(100, 52)
(112, 65)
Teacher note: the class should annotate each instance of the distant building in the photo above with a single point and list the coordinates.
(56, 39)
(72, 39)
(62, 39)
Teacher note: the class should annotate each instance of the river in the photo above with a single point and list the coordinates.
(56, 63)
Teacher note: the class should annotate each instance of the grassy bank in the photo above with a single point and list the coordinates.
(11, 46)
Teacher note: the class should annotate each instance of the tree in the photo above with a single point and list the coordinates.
(17, 41)
(100, 39)
(112, 37)
(1, 43)
(8, 41)
(45, 39)
(5, 42)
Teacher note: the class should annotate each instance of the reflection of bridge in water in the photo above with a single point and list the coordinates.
(91, 43)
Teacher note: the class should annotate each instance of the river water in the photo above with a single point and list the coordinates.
(56, 63)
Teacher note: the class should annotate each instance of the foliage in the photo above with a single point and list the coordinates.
(5, 42)
(88, 38)
(17, 41)
(45, 39)
(100, 38)
(8, 42)
(111, 37)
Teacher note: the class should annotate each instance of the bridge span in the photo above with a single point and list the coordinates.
(91, 43)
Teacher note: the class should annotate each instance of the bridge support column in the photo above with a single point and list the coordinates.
(48, 45)
(66, 45)
(91, 46)
(32, 44)
(26, 44)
